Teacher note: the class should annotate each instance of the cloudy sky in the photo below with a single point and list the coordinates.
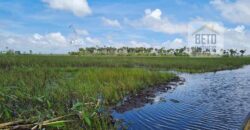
(60, 26)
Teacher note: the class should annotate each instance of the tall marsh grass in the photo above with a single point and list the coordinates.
(45, 93)
(186, 64)
(40, 90)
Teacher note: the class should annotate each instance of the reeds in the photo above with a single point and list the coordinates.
(186, 64)
(87, 93)
(36, 89)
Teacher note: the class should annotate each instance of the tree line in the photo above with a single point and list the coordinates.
(143, 51)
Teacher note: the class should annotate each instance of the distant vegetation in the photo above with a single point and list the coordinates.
(184, 64)
(73, 92)
(142, 51)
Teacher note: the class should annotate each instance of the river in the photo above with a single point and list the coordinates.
(207, 101)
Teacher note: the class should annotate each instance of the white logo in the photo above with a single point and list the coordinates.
(205, 38)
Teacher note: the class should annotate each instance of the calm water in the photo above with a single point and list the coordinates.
(206, 101)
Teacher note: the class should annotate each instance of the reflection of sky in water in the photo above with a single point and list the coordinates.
(206, 101)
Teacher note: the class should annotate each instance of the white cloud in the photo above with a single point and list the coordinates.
(236, 12)
(110, 22)
(37, 36)
(50, 39)
(82, 38)
(11, 40)
(56, 37)
(175, 44)
(131, 43)
(156, 14)
(77, 7)
(138, 44)
(93, 41)
(239, 29)
(237, 38)
(154, 21)
(48, 43)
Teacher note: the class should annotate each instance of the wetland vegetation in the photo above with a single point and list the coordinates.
(71, 92)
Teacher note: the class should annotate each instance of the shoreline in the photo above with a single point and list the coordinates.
(145, 96)
(246, 123)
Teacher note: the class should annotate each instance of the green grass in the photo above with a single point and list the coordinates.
(38, 88)
(184, 64)
(45, 93)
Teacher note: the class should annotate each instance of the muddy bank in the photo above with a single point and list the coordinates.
(246, 124)
(146, 96)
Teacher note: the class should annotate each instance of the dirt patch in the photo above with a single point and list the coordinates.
(146, 96)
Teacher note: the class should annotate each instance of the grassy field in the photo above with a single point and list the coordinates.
(51, 91)
(184, 64)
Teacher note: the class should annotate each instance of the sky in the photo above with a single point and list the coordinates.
(60, 26)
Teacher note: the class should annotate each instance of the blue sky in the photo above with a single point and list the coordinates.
(43, 25)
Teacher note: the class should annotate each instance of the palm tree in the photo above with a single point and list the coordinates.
(225, 53)
(162, 51)
(91, 50)
(242, 52)
(232, 52)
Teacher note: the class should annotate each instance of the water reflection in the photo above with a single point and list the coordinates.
(205, 101)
